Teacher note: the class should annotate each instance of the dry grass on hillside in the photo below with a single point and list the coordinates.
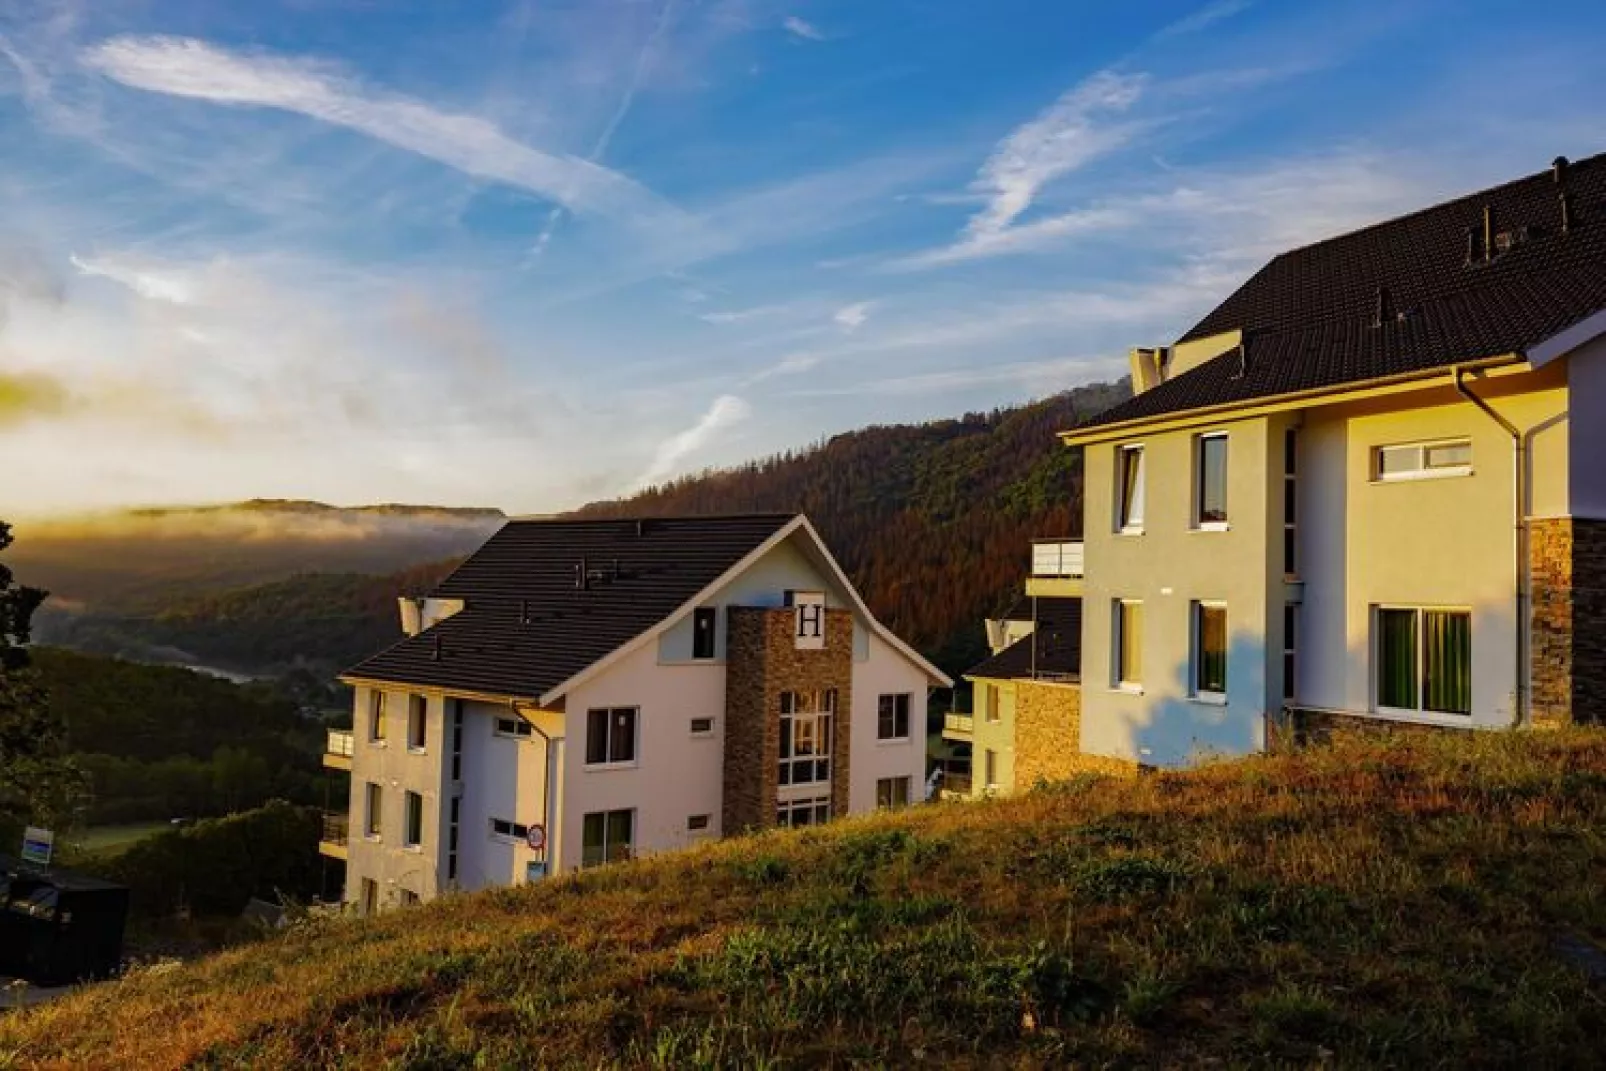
(1411, 903)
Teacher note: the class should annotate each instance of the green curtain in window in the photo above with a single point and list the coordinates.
(1447, 662)
(1396, 659)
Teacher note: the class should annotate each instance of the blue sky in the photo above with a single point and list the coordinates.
(531, 254)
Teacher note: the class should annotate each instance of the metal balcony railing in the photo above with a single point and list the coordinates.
(336, 827)
(341, 742)
(1057, 558)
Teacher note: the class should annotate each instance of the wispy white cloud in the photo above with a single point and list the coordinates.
(1033, 377)
(799, 28)
(726, 412)
(185, 67)
(146, 280)
(736, 316)
(1206, 16)
(852, 317)
(1085, 123)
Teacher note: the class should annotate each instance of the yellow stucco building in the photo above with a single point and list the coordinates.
(1368, 489)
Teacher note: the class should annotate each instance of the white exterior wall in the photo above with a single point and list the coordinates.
(1169, 566)
(885, 672)
(1586, 382)
(675, 775)
(503, 777)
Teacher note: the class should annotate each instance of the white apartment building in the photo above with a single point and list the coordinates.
(584, 691)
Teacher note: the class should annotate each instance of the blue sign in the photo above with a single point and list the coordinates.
(37, 845)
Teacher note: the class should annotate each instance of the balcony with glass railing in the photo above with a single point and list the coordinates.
(1057, 568)
(336, 831)
(338, 749)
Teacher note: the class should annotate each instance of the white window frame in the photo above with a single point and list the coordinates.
(630, 846)
(700, 824)
(992, 703)
(378, 716)
(823, 719)
(417, 723)
(712, 614)
(520, 729)
(373, 817)
(608, 761)
(1196, 612)
(817, 806)
(1199, 523)
(702, 734)
(907, 703)
(1420, 712)
(989, 769)
(1422, 470)
(412, 839)
(891, 784)
(514, 833)
(1118, 642)
(1122, 526)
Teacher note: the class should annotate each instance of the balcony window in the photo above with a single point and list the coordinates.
(1424, 660)
(1210, 650)
(1129, 489)
(892, 792)
(1210, 494)
(517, 728)
(374, 813)
(793, 814)
(807, 722)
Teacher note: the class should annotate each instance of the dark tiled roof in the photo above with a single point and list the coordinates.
(526, 626)
(1309, 315)
(1054, 648)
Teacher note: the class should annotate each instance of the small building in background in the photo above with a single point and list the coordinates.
(58, 927)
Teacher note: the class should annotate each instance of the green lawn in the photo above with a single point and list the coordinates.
(104, 842)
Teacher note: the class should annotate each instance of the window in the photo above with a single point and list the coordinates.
(376, 715)
(990, 703)
(702, 631)
(610, 736)
(1210, 490)
(892, 792)
(702, 726)
(607, 837)
(697, 822)
(408, 898)
(892, 717)
(516, 727)
(1128, 643)
(417, 722)
(457, 739)
(370, 896)
(1424, 660)
(1129, 489)
(806, 724)
(413, 831)
(1290, 646)
(794, 814)
(1210, 650)
(990, 768)
(373, 818)
(508, 830)
(452, 834)
(1417, 461)
(1290, 501)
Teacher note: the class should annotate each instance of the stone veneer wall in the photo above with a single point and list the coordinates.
(1567, 567)
(1290, 729)
(762, 661)
(1048, 736)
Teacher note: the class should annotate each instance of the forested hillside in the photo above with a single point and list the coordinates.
(932, 521)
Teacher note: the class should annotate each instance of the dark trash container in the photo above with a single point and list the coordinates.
(58, 927)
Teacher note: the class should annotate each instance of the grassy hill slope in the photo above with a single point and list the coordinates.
(1427, 902)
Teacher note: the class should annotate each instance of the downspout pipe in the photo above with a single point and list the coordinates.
(546, 795)
(1519, 491)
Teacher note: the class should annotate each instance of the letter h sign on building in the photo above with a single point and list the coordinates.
(808, 608)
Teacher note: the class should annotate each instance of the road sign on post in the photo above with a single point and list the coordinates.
(37, 845)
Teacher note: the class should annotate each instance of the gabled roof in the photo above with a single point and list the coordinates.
(1310, 316)
(1054, 648)
(529, 630)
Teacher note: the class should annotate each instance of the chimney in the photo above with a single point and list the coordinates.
(524, 611)
(1488, 232)
(580, 576)
(1565, 200)
(412, 614)
(1384, 311)
(1472, 246)
(1148, 368)
(435, 655)
(1558, 170)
